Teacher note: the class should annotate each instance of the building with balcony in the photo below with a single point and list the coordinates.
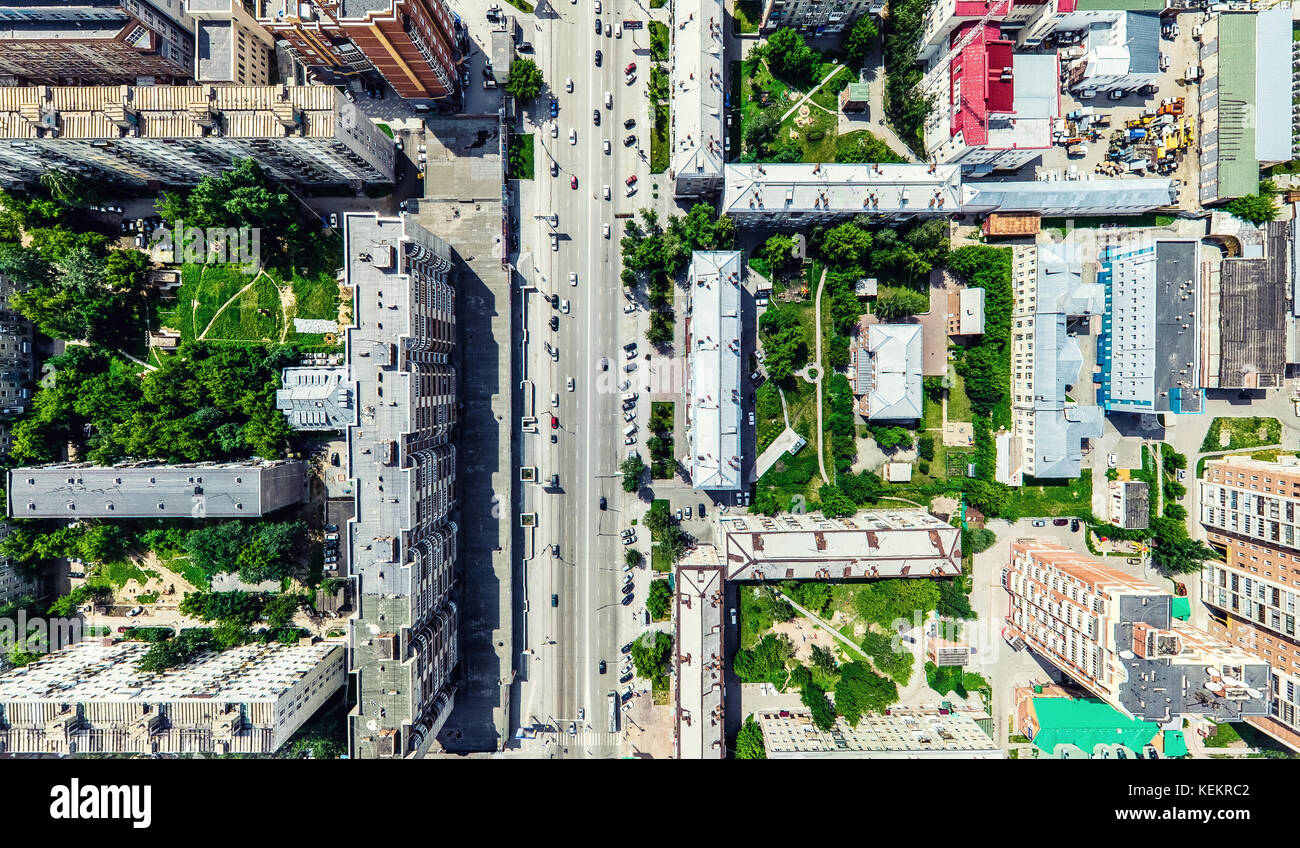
(699, 665)
(713, 369)
(402, 537)
(1027, 21)
(230, 45)
(995, 106)
(885, 361)
(817, 17)
(697, 84)
(1117, 637)
(89, 699)
(925, 733)
(414, 44)
(1245, 94)
(196, 490)
(1149, 346)
(1047, 428)
(93, 42)
(1249, 510)
(143, 136)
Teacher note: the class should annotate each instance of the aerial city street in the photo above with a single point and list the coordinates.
(687, 379)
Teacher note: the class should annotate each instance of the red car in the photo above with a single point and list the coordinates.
(631, 180)
(631, 66)
(573, 182)
(555, 423)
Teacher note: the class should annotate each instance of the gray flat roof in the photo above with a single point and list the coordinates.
(713, 334)
(317, 398)
(235, 490)
(1252, 315)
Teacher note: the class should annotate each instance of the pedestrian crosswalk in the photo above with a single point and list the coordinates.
(594, 739)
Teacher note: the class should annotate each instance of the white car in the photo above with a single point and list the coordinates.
(555, 130)
(631, 190)
(609, 100)
(564, 306)
(135, 611)
(582, 714)
(1111, 460)
(597, 7)
(573, 278)
(630, 78)
(609, 30)
(606, 192)
(555, 399)
(568, 84)
(606, 145)
(604, 230)
(618, 30)
(573, 136)
(569, 385)
(555, 242)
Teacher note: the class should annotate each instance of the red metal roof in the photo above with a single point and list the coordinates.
(977, 8)
(984, 88)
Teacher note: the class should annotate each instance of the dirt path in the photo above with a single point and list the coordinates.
(231, 300)
(287, 301)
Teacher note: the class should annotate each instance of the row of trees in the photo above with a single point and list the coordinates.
(906, 106)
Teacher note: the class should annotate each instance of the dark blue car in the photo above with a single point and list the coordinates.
(555, 107)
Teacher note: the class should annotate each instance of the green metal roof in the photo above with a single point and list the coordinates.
(1175, 745)
(1181, 608)
(1238, 167)
(1121, 5)
(1087, 723)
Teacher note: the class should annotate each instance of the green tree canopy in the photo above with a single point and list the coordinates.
(525, 81)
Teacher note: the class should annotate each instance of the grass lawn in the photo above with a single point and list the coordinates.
(958, 402)
(522, 5)
(932, 416)
(816, 138)
(768, 418)
(254, 316)
(660, 561)
(659, 143)
(746, 17)
(659, 41)
(521, 156)
(1244, 433)
(1052, 498)
(385, 129)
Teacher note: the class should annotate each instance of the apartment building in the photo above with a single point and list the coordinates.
(230, 45)
(93, 42)
(995, 106)
(89, 699)
(142, 136)
(913, 733)
(17, 371)
(885, 362)
(402, 538)
(195, 490)
(817, 17)
(713, 369)
(699, 681)
(1117, 637)
(1028, 20)
(1249, 509)
(416, 45)
(697, 83)
(1047, 428)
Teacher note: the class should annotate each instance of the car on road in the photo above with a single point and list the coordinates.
(629, 123)
(555, 424)
(733, 616)
(627, 649)
(630, 180)
(1038, 522)
(608, 30)
(1074, 525)
(582, 714)
(564, 306)
(701, 510)
(629, 79)
(626, 678)
(1111, 460)
(568, 84)
(573, 729)
(555, 322)
(602, 502)
(121, 628)
(604, 230)
(627, 599)
(627, 540)
(555, 168)
(603, 364)
(555, 399)
(688, 513)
(135, 611)
(595, 117)
(573, 136)
(555, 600)
(555, 107)
(569, 384)
(555, 241)
(627, 692)
(678, 515)
(631, 68)
(629, 141)
(606, 146)
(1059, 522)
(331, 528)
(627, 587)
(618, 30)
(555, 551)
(630, 367)
(555, 130)
(606, 191)
(598, 57)
(627, 708)
(573, 181)
(555, 301)
(598, 26)
(751, 418)
(334, 220)
(1182, 475)
(609, 100)
(573, 278)
(525, 47)
(631, 190)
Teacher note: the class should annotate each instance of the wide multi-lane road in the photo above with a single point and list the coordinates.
(590, 623)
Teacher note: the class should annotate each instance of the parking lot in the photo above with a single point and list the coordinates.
(1180, 52)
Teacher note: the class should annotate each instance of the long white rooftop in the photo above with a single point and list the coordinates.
(822, 187)
(713, 335)
(697, 89)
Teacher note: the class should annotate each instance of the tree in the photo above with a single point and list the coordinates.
(765, 503)
(837, 352)
(835, 504)
(749, 741)
(633, 557)
(845, 245)
(1173, 551)
(659, 600)
(673, 542)
(925, 447)
(660, 331)
(823, 659)
(657, 518)
(864, 488)
(779, 253)
(1256, 208)
(860, 691)
(525, 81)
(893, 304)
(650, 654)
(891, 438)
(857, 44)
(978, 540)
(761, 130)
(69, 188)
(790, 57)
(823, 714)
(784, 344)
(765, 662)
(633, 469)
